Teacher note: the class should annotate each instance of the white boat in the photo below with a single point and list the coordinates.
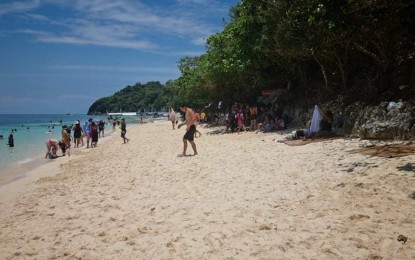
(123, 114)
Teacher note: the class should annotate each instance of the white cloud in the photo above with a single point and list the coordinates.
(123, 24)
(18, 7)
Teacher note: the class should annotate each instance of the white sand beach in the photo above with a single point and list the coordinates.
(243, 197)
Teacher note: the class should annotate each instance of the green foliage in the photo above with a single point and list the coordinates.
(362, 49)
(150, 96)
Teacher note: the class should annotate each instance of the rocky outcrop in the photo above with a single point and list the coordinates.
(386, 121)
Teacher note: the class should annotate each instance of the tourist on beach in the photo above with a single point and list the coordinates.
(114, 123)
(66, 139)
(326, 122)
(77, 134)
(94, 134)
(190, 129)
(11, 141)
(53, 143)
(124, 130)
(197, 121)
(173, 117)
(240, 120)
(203, 117)
(101, 127)
(52, 153)
(253, 112)
(87, 131)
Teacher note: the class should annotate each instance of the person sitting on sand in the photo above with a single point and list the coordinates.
(279, 124)
(268, 125)
(326, 122)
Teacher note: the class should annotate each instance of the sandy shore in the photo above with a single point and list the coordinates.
(243, 197)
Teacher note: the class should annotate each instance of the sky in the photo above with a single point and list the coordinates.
(59, 56)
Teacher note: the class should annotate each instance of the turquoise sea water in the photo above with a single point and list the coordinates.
(31, 132)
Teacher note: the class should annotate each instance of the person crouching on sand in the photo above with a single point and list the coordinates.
(52, 146)
(190, 129)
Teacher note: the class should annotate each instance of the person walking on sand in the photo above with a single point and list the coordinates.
(190, 129)
(124, 130)
(173, 117)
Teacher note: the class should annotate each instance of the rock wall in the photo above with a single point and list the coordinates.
(386, 121)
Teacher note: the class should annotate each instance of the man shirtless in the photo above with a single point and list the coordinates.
(190, 129)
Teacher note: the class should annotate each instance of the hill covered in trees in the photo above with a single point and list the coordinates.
(315, 50)
(152, 96)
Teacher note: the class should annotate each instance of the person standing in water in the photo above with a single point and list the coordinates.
(11, 141)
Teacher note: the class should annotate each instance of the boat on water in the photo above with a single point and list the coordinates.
(151, 114)
(123, 114)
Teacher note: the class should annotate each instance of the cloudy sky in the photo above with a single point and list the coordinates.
(59, 56)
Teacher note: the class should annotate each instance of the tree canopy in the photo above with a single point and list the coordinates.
(314, 49)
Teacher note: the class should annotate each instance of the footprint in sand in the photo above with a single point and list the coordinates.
(358, 217)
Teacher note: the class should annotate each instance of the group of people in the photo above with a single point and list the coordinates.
(243, 117)
(236, 120)
(91, 130)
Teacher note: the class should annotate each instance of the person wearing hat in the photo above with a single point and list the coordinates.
(77, 133)
(124, 130)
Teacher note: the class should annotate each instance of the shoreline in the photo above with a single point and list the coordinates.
(243, 196)
(19, 170)
(13, 178)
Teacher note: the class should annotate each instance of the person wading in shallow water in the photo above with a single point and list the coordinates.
(190, 129)
(11, 141)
